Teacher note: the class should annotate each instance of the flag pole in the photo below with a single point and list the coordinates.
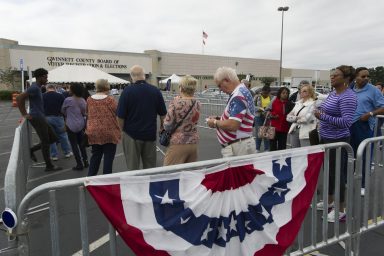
(202, 43)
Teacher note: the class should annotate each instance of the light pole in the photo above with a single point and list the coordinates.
(282, 10)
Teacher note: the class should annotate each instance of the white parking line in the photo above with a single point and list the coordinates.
(95, 245)
(5, 153)
(6, 137)
(41, 164)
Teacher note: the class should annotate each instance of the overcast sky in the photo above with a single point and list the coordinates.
(318, 34)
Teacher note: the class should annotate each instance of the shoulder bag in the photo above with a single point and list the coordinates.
(165, 136)
(266, 131)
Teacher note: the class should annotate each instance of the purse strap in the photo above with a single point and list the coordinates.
(300, 110)
(181, 121)
(266, 119)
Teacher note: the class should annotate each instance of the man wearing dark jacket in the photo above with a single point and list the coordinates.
(53, 101)
(137, 111)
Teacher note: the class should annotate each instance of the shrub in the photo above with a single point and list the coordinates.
(6, 95)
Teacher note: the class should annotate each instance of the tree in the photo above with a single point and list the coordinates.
(377, 74)
(7, 76)
(267, 80)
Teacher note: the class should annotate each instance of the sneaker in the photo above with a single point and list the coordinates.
(54, 158)
(53, 168)
(78, 168)
(331, 216)
(362, 191)
(68, 155)
(86, 164)
(33, 157)
(320, 206)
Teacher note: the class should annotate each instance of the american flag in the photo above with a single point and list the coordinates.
(248, 207)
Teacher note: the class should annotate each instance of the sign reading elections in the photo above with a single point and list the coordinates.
(246, 207)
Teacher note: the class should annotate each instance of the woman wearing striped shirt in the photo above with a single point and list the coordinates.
(336, 116)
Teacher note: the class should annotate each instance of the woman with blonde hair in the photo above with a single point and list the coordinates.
(184, 109)
(102, 128)
(302, 118)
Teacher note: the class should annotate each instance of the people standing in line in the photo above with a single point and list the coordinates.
(280, 108)
(53, 101)
(102, 128)
(37, 118)
(137, 111)
(295, 97)
(302, 117)
(336, 117)
(66, 90)
(185, 109)
(370, 102)
(380, 87)
(234, 127)
(248, 85)
(86, 93)
(74, 110)
(263, 104)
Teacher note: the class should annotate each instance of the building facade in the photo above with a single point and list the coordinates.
(158, 65)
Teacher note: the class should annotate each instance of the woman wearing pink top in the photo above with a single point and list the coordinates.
(102, 128)
(183, 146)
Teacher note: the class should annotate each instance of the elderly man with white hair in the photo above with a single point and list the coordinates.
(137, 111)
(234, 127)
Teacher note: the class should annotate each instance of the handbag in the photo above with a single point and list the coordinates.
(266, 131)
(314, 137)
(165, 136)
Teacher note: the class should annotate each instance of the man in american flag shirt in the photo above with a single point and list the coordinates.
(234, 127)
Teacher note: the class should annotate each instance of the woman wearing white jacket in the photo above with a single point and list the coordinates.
(302, 117)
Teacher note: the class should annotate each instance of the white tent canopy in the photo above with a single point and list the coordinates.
(175, 79)
(80, 74)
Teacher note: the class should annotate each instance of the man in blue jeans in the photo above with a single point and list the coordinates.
(53, 102)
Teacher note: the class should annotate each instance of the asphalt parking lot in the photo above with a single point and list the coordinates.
(209, 148)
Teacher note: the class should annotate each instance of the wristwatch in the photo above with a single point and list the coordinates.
(371, 114)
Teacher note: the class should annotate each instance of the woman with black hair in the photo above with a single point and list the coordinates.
(336, 117)
(74, 110)
(281, 106)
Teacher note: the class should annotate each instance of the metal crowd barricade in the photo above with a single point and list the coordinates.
(16, 175)
(207, 108)
(302, 246)
(330, 233)
(371, 215)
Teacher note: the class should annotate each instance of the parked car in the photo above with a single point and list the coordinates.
(211, 91)
(257, 90)
(114, 92)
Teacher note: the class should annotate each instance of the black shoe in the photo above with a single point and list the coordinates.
(33, 157)
(53, 168)
(86, 164)
(78, 168)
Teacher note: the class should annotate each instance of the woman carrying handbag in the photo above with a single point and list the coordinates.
(181, 121)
